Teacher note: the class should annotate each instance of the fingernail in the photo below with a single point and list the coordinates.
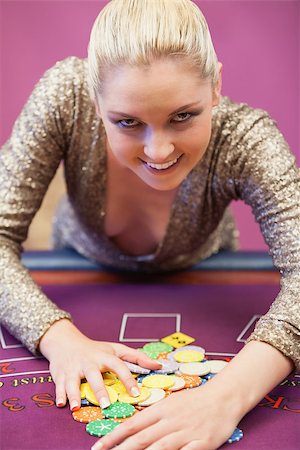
(104, 402)
(74, 406)
(135, 391)
(97, 446)
(59, 403)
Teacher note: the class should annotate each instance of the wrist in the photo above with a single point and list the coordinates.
(54, 336)
(248, 378)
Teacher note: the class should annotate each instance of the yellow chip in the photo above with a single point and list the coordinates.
(158, 381)
(82, 390)
(90, 396)
(113, 396)
(178, 339)
(119, 387)
(109, 382)
(126, 398)
(188, 356)
(109, 378)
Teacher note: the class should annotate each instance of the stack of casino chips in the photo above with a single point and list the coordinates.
(182, 368)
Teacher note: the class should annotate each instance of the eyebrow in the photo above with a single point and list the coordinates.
(174, 112)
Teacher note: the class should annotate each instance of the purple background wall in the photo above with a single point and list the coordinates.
(257, 42)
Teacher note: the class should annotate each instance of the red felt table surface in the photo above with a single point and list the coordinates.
(219, 317)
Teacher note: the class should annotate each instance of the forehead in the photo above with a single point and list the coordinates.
(165, 79)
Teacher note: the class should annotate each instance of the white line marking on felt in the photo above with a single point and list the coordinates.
(23, 358)
(125, 317)
(24, 373)
(3, 343)
(251, 321)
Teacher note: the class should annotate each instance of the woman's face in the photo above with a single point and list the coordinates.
(157, 120)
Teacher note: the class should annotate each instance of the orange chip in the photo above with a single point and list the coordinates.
(191, 381)
(168, 392)
(163, 356)
(87, 414)
(140, 408)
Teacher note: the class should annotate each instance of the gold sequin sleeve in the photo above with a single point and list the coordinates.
(266, 178)
(28, 162)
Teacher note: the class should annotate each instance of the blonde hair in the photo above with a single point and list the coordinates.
(135, 32)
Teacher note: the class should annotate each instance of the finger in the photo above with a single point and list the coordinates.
(60, 392)
(117, 366)
(129, 428)
(95, 380)
(196, 445)
(179, 440)
(140, 358)
(73, 392)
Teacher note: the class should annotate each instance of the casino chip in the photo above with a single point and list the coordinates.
(236, 436)
(101, 427)
(87, 414)
(126, 398)
(186, 356)
(156, 395)
(151, 353)
(195, 368)
(216, 365)
(136, 368)
(90, 396)
(191, 381)
(159, 347)
(194, 348)
(168, 366)
(179, 384)
(85, 402)
(158, 381)
(119, 411)
(140, 378)
(119, 387)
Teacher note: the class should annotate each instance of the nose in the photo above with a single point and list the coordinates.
(158, 148)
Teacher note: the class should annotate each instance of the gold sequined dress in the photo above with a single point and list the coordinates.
(247, 158)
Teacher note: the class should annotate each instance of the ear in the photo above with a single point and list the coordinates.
(218, 86)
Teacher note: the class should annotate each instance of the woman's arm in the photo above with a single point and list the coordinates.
(28, 162)
(204, 418)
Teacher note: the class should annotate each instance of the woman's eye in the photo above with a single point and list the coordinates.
(127, 123)
(182, 117)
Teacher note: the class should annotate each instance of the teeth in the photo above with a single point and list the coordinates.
(162, 166)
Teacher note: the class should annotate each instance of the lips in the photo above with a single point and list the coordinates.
(163, 166)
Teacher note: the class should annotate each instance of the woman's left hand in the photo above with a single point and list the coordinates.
(202, 418)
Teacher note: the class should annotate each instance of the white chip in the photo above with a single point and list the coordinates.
(216, 365)
(179, 384)
(195, 368)
(156, 394)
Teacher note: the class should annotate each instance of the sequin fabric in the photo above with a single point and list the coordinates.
(247, 158)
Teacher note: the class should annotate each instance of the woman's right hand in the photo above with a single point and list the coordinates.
(73, 356)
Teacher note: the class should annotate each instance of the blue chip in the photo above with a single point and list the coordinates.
(85, 402)
(141, 377)
(236, 436)
(209, 376)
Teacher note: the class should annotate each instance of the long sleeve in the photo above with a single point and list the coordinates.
(28, 162)
(266, 178)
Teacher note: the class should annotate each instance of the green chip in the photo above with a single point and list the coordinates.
(119, 410)
(101, 427)
(159, 347)
(152, 354)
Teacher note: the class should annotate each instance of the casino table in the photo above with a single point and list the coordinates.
(217, 302)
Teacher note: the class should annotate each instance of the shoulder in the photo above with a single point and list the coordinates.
(235, 119)
(65, 77)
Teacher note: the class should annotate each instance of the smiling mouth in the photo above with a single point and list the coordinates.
(163, 166)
